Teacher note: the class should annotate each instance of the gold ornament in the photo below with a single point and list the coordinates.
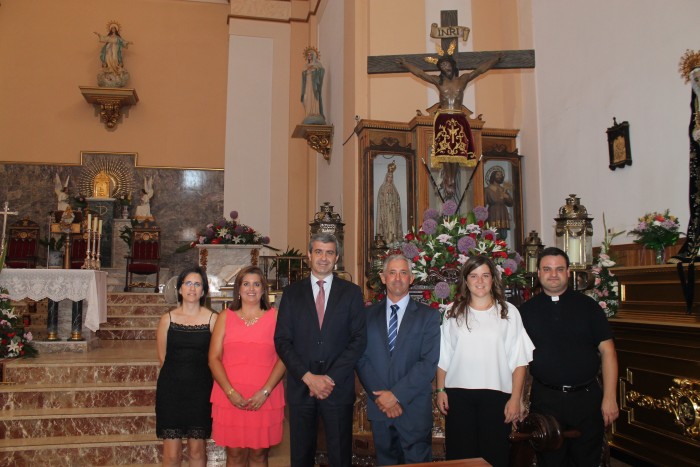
(689, 61)
(311, 48)
(441, 53)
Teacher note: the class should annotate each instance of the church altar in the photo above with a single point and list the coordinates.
(61, 284)
(222, 262)
(658, 350)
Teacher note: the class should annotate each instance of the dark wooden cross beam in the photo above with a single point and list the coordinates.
(510, 59)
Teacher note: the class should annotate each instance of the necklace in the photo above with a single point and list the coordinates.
(249, 321)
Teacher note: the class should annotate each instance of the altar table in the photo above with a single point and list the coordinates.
(61, 284)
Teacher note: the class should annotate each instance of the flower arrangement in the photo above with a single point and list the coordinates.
(14, 342)
(657, 230)
(227, 232)
(446, 240)
(605, 286)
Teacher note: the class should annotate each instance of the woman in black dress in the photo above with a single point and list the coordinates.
(183, 410)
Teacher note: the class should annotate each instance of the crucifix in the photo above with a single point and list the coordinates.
(5, 212)
(453, 144)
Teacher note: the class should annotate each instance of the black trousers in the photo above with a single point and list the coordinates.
(573, 410)
(475, 427)
(303, 430)
(392, 447)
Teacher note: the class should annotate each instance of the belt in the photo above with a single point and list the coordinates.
(564, 387)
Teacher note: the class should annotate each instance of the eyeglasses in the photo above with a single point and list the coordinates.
(190, 284)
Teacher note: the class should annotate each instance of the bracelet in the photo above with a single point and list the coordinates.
(266, 392)
(439, 390)
(230, 392)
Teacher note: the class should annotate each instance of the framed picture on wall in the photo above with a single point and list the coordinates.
(389, 192)
(619, 145)
(503, 196)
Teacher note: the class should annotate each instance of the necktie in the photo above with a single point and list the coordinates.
(320, 302)
(393, 328)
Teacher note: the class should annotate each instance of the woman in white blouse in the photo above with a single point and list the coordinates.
(484, 351)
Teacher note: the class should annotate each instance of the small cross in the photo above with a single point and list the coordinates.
(5, 212)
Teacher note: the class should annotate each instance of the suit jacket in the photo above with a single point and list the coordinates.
(332, 350)
(409, 372)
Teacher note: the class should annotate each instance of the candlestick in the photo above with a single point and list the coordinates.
(94, 224)
(99, 227)
(89, 224)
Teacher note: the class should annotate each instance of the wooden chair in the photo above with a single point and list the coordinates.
(144, 258)
(78, 249)
(23, 244)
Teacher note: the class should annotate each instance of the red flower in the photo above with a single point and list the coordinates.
(507, 271)
(426, 294)
(463, 220)
(435, 305)
(10, 335)
(416, 258)
(480, 223)
(488, 236)
(410, 236)
(380, 296)
(4, 342)
(428, 259)
(473, 235)
(451, 249)
(216, 241)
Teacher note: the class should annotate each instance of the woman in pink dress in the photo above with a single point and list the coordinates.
(247, 399)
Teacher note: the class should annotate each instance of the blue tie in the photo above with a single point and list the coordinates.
(393, 328)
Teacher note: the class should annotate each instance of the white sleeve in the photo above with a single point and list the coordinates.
(446, 349)
(518, 344)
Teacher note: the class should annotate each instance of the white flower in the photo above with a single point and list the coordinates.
(462, 258)
(222, 232)
(420, 275)
(13, 347)
(9, 313)
(444, 238)
(473, 228)
(607, 263)
(449, 224)
(237, 239)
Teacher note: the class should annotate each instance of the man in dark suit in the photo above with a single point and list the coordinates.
(320, 335)
(397, 368)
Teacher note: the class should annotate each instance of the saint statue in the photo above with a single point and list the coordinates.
(453, 143)
(143, 210)
(61, 190)
(311, 86)
(113, 73)
(498, 199)
(689, 67)
(389, 223)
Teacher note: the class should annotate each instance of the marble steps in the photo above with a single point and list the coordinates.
(84, 451)
(133, 316)
(81, 373)
(111, 394)
(40, 425)
(107, 332)
(138, 298)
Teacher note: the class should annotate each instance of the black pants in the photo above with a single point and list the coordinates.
(303, 429)
(474, 426)
(573, 410)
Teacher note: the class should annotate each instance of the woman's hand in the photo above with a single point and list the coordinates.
(237, 400)
(442, 404)
(257, 400)
(513, 411)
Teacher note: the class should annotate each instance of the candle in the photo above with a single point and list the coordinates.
(94, 224)
(89, 224)
(532, 264)
(574, 250)
(99, 227)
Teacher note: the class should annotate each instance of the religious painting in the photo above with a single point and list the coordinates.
(619, 145)
(389, 193)
(503, 196)
(450, 181)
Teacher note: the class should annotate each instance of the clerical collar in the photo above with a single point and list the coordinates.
(555, 298)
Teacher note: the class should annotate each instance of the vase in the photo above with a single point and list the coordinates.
(125, 212)
(660, 255)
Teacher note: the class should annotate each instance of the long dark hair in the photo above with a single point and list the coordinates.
(264, 300)
(205, 283)
(460, 308)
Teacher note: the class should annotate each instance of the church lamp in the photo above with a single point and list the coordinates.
(574, 235)
(532, 249)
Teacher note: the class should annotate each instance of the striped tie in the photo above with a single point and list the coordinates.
(393, 328)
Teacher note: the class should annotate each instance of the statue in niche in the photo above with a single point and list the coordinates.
(311, 87)
(498, 199)
(113, 74)
(389, 224)
(689, 68)
(143, 210)
(61, 190)
(453, 144)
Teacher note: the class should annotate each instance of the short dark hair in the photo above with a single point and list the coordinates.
(205, 282)
(264, 300)
(552, 251)
(324, 237)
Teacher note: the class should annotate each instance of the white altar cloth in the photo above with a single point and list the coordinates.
(61, 284)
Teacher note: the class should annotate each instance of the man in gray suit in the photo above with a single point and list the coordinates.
(397, 368)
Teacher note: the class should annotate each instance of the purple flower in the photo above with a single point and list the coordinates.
(409, 250)
(518, 259)
(442, 290)
(265, 240)
(481, 213)
(431, 213)
(669, 224)
(510, 264)
(429, 226)
(239, 230)
(233, 215)
(489, 234)
(465, 244)
(209, 233)
(642, 226)
(449, 207)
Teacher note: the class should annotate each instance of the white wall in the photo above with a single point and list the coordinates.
(605, 58)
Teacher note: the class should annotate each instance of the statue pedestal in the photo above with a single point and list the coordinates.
(222, 262)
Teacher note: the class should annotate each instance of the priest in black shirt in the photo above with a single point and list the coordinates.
(572, 339)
